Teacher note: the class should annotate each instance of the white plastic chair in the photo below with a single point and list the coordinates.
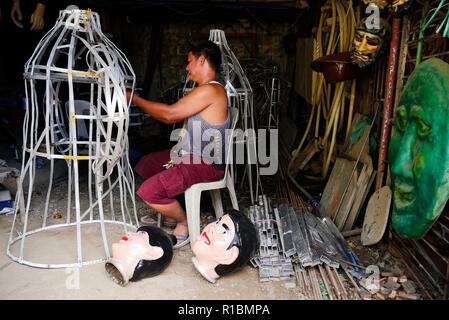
(193, 194)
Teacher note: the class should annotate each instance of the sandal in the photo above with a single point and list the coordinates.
(146, 221)
(185, 241)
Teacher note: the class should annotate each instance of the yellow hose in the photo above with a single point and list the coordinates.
(334, 110)
(342, 110)
(329, 100)
(334, 21)
(325, 100)
(329, 155)
(351, 108)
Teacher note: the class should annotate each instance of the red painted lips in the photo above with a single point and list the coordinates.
(205, 238)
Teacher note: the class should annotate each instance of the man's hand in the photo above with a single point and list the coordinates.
(128, 96)
(16, 13)
(37, 18)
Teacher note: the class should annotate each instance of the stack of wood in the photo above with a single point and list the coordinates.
(391, 287)
(349, 182)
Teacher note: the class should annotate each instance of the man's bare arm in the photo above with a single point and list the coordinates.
(192, 103)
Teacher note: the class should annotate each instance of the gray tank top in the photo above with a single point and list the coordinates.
(206, 140)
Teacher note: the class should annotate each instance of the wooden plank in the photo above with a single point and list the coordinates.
(358, 151)
(362, 185)
(333, 281)
(303, 158)
(340, 283)
(315, 285)
(326, 283)
(367, 190)
(347, 202)
(307, 285)
(358, 290)
(409, 296)
(335, 187)
(351, 233)
(300, 279)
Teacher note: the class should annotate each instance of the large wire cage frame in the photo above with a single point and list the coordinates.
(240, 95)
(75, 62)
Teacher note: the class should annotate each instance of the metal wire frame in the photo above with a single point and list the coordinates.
(55, 65)
(240, 94)
(269, 88)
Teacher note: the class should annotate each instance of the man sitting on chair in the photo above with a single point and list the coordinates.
(205, 113)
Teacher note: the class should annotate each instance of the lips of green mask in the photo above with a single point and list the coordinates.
(419, 150)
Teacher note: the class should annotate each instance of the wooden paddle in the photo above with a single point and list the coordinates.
(376, 216)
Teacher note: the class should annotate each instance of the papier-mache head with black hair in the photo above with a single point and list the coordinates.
(224, 245)
(141, 254)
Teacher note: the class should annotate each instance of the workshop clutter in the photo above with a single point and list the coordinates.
(293, 241)
(296, 241)
(391, 286)
(8, 186)
(5, 198)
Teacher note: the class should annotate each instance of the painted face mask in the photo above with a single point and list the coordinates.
(401, 7)
(141, 254)
(214, 246)
(419, 150)
(381, 4)
(403, 4)
(224, 245)
(370, 42)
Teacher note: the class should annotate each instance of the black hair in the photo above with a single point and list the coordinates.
(151, 268)
(248, 241)
(210, 51)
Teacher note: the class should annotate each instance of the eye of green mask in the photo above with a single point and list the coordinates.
(424, 129)
(401, 119)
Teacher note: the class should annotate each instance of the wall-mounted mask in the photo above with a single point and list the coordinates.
(224, 245)
(400, 7)
(401, 3)
(419, 150)
(378, 3)
(142, 254)
(370, 42)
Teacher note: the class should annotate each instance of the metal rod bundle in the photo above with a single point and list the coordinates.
(295, 242)
(272, 261)
(72, 61)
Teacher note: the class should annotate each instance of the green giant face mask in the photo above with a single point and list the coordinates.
(419, 150)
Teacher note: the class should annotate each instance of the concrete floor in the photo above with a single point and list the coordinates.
(179, 281)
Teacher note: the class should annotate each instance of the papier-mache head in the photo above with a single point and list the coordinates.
(224, 245)
(141, 254)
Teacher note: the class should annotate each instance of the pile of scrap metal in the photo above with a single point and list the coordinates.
(293, 241)
(271, 259)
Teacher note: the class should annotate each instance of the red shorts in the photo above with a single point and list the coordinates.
(163, 185)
